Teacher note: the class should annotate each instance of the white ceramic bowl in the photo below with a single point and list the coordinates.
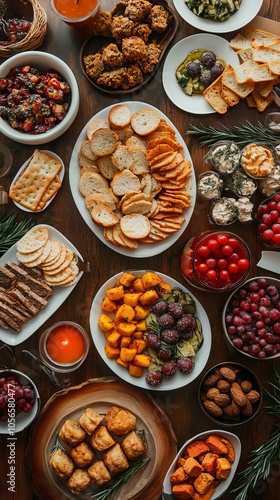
(229, 336)
(43, 61)
(22, 420)
(225, 483)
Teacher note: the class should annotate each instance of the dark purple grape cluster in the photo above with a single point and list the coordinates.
(23, 396)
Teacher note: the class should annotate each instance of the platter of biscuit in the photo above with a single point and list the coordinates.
(37, 181)
(89, 436)
(38, 273)
(132, 179)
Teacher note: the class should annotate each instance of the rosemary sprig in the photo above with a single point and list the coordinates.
(11, 230)
(265, 456)
(112, 491)
(241, 134)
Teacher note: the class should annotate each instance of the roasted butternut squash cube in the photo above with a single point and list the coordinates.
(141, 325)
(131, 299)
(126, 279)
(114, 339)
(125, 341)
(125, 313)
(108, 305)
(178, 476)
(105, 322)
(138, 335)
(135, 371)
(141, 312)
(142, 360)
(183, 491)
(138, 285)
(127, 354)
(126, 329)
(139, 345)
(115, 293)
(150, 280)
(112, 352)
(122, 363)
(148, 297)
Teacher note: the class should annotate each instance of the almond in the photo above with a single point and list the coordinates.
(223, 385)
(222, 400)
(212, 392)
(232, 410)
(228, 373)
(247, 409)
(212, 408)
(211, 380)
(237, 394)
(246, 385)
(253, 396)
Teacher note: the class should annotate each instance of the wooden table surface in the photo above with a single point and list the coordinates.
(181, 405)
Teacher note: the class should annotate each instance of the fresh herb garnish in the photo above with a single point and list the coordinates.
(267, 455)
(11, 230)
(240, 134)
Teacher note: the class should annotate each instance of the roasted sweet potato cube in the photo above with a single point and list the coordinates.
(139, 345)
(105, 322)
(150, 280)
(140, 312)
(115, 293)
(135, 371)
(125, 341)
(206, 496)
(223, 468)
(148, 297)
(131, 299)
(126, 279)
(141, 325)
(127, 354)
(112, 352)
(231, 451)
(197, 447)
(192, 467)
(108, 305)
(114, 339)
(138, 285)
(125, 313)
(203, 482)
(122, 363)
(209, 463)
(142, 360)
(126, 329)
(138, 334)
(183, 491)
(179, 476)
(216, 444)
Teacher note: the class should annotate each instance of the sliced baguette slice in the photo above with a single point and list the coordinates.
(94, 125)
(240, 42)
(103, 216)
(252, 71)
(265, 55)
(92, 182)
(104, 141)
(213, 95)
(124, 182)
(241, 89)
(119, 116)
(245, 54)
(121, 158)
(140, 164)
(145, 121)
(274, 67)
(135, 226)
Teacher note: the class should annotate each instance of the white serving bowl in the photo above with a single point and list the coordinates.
(43, 61)
(22, 420)
(224, 483)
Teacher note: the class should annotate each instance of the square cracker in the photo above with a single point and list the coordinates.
(30, 187)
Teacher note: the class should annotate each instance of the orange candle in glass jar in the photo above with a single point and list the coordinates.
(74, 9)
(65, 344)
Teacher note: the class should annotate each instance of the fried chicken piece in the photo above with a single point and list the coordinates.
(133, 48)
(133, 77)
(111, 56)
(121, 27)
(158, 18)
(94, 65)
(142, 30)
(138, 10)
(102, 24)
(112, 78)
(148, 63)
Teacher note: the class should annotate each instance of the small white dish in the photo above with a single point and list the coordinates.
(246, 12)
(196, 103)
(225, 483)
(178, 380)
(21, 170)
(270, 261)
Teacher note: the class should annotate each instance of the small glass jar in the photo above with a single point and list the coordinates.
(224, 156)
(76, 14)
(64, 346)
(215, 261)
(241, 184)
(223, 211)
(209, 185)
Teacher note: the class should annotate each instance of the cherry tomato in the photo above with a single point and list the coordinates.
(211, 263)
(268, 234)
(243, 264)
(276, 228)
(211, 274)
(233, 258)
(222, 263)
(233, 268)
(227, 250)
(203, 267)
(274, 215)
(276, 239)
(233, 242)
(224, 275)
(213, 245)
(203, 250)
(222, 239)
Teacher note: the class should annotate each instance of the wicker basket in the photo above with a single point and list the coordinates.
(34, 37)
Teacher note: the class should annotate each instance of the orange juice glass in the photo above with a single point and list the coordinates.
(76, 13)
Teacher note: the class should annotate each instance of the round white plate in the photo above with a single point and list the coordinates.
(246, 12)
(178, 380)
(61, 175)
(193, 104)
(147, 250)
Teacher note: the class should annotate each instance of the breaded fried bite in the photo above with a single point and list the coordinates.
(94, 65)
(133, 445)
(82, 454)
(158, 18)
(137, 10)
(111, 56)
(61, 463)
(99, 473)
(121, 27)
(101, 439)
(133, 48)
(115, 459)
(79, 481)
(71, 432)
(122, 422)
(102, 24)
(89, 420)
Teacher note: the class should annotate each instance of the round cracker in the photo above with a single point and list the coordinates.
(54, 253)
(27, 258)
(68, 257)
(59, 261)
(61, 279)
(56, 278)
(45, 252)
(36, 238)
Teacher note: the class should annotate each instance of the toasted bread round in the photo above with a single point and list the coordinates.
(145, 121)
(104, 141)
(92, 182)
(103, 216)
(94, 125)
(125, 182)
(135, 226)
(119, 116)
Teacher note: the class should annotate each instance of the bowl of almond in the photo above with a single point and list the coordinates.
(230, 394)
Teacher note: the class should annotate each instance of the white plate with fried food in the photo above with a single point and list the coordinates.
(46, 304)
(37, 181)
(178, 379)
(194, 103)
(248, 9)
(171, 202)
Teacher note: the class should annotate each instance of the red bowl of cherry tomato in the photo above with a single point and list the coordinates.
(268, 217)
(215, 261)
(251, 318)
(19, 401)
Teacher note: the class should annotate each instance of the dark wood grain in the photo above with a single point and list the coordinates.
(181, 405)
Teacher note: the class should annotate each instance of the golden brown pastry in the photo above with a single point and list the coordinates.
(122, 422)
(113, 410)
(61, 463)
(133, 445)
(115, 459)
(82, 454)
(79, 480)
(71, 432)
(90, 420)
(99, 473)
(101, 439)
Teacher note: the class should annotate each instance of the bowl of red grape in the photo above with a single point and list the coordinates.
(19, 401)
(268, 216)
(251, 318)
